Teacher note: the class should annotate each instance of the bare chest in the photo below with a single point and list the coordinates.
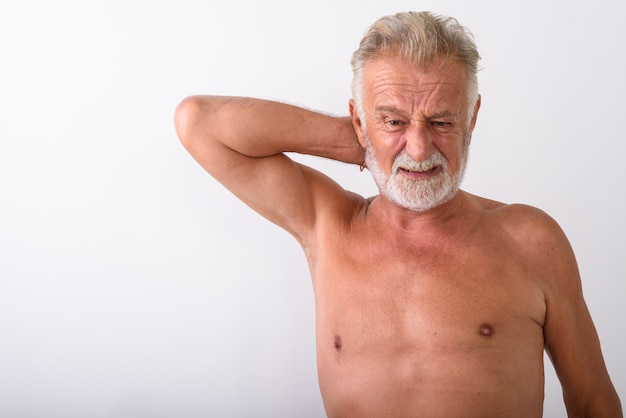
(433, 327)
(389, 294)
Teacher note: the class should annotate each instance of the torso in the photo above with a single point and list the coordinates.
(440, 322)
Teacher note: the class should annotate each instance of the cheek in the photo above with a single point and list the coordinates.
(453, 151)
(386, 153)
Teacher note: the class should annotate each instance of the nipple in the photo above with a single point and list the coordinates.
(337, 342)
(486, 330)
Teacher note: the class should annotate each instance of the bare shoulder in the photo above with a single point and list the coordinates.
(537, 237)
(523, 222)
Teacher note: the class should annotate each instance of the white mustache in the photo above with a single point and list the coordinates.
(403, 161)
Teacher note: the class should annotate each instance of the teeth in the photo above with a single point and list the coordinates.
(404, 162)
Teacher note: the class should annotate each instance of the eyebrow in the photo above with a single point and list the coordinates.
(444, 114)
(390, 109)
(393, 109)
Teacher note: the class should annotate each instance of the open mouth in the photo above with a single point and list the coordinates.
(419, 174)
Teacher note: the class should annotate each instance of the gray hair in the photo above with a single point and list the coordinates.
(420, 38)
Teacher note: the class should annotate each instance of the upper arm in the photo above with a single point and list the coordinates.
(571, 340)
(287, 193)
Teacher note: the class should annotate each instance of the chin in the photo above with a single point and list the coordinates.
(423, 205)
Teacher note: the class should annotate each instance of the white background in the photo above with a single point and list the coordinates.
(133, 285)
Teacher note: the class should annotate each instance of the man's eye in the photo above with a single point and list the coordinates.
(394, 122)
(440, 124)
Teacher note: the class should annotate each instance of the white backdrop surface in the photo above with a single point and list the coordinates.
(133, 285)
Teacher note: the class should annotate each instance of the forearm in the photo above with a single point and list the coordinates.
(259, 128)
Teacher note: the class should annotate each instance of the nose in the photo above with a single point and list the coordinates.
(419, 142)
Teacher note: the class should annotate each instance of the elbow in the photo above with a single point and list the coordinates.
(187, 119)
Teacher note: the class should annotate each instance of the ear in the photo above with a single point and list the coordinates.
(475, 115)
(357, 124)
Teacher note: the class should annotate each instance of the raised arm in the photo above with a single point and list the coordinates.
(241, 142)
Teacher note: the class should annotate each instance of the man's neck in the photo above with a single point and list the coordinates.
(408, 221)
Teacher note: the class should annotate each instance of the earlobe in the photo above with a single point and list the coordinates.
(357, 124)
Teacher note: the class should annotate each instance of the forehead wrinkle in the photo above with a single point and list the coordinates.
(415, 107)
(398, 87)
(433, 98)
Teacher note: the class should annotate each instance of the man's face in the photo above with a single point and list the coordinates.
(416, 131)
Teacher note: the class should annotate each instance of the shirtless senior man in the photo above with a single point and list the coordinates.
(430, 301)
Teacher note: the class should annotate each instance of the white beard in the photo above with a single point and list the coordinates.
(417, 195)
